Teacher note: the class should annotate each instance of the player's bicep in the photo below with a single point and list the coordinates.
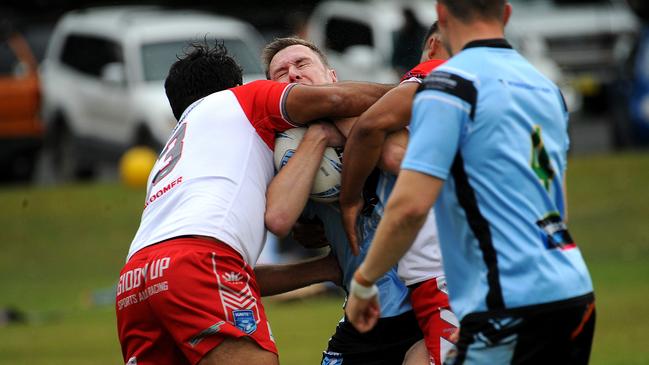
(306, 103)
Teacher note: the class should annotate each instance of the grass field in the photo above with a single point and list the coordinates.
(61, 246)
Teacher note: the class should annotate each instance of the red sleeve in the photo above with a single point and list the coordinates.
(263, 102)
(422, 70)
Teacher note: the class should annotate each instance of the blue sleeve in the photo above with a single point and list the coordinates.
(435, 131)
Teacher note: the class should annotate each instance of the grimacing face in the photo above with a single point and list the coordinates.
(301, 65)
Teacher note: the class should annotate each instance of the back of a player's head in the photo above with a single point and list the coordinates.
(279, 44)
(470, 10)
(202, 71)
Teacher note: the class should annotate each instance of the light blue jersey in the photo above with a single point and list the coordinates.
(495, 129)
(393, 293)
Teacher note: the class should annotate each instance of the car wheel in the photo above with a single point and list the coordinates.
(24, 165)
(144, 137)
(66, 154)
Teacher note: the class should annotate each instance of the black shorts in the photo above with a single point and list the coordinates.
(386, 344)
(554, 333)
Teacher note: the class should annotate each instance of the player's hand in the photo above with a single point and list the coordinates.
(349, 213)
(455, 336)
(329, 132)
(362, 313)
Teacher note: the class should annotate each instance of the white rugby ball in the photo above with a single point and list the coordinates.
(326, 187)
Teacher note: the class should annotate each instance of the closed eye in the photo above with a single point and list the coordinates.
(279, 75)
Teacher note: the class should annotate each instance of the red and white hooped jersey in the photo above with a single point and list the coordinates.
(212, 175)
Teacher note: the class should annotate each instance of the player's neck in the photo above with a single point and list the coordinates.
(466, 33)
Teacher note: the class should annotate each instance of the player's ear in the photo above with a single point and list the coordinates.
(332, 73)
(433, 45)
(507, 13)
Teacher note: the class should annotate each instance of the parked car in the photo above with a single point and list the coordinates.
(103, 78)
(586, 39)
(630, 97)
(21, 130)
(358, 38)
(567, 41)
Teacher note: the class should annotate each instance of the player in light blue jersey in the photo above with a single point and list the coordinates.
(488, 145)
(295, 60)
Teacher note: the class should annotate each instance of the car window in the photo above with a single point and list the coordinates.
(8, 60)
(343, 33)
(157, 58)
(89, 55)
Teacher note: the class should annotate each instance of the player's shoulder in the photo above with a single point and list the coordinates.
(422, 70)
(253, 85)
(451, 79)
(260, 92)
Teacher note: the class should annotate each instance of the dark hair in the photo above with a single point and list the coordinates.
(202, 71)
(469, 10)
(434, 29)
(280, 43)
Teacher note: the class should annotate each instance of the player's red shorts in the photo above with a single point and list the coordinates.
(179, 299)
(430, 303)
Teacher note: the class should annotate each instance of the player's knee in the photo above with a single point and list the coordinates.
(417, 354)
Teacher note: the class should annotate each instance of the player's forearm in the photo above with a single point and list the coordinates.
(346, 99)
(278, 279)
(362, 152)
(364, 93)
(289, 191)
(359, 97)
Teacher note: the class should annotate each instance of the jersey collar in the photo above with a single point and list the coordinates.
(493, 43)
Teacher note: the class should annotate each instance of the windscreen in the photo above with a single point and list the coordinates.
(158, 57)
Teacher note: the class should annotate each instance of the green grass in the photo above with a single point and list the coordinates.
(609, 208)
(61, 246)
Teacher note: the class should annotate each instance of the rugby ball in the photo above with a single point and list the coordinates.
(326, 186)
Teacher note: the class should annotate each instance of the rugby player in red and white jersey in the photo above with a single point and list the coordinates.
(188, 294)
(421, 267)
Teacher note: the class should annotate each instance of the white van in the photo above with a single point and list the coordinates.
(103, 78)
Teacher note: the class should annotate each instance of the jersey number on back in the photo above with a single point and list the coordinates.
(171, 154)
